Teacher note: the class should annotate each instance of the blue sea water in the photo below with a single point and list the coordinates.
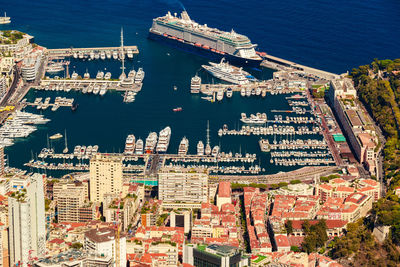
(332, 35)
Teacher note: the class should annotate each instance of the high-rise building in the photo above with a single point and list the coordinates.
(72, 206)
(105, 176)
(103, 242)
(26, 215)
(184, 185)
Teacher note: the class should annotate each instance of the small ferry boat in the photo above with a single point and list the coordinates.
(177, 109)
(56, 136)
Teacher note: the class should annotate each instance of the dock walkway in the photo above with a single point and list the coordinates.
(68, 52)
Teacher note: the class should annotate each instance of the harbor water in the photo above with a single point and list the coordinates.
(319, 34)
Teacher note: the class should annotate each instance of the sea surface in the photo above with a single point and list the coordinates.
(332, 35)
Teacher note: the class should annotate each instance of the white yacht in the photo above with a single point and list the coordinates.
(151, 142)
(183, 146)
(74, 75)
(139, 76)
(96, 89)
(132, 74)
(195, 84)
(163, 140)
(90, 88)
(207, 151)
(102, 55)
(139, 147)
(130, 144)
(100, 75)
(228, 73)
(91, 54)
(54, 67)
(107, 76)
(129, 53)
(220, 95)
(215, 151)
(108, 54)
(86, 75)
(115, 55)
(103, 89)
(200, 148)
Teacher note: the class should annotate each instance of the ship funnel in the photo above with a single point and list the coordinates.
(185, 16)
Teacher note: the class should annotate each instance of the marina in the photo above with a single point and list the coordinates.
(94, 52)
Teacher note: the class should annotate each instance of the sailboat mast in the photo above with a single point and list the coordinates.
(208, 132)
(122, 51)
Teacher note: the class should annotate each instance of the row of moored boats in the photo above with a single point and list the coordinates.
(108, 54)
(159, 144)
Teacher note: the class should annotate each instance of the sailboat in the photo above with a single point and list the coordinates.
(65, 151)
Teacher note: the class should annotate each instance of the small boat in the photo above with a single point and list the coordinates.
(74, 107)
(175, 88)
(229, 92)
(56, 136)
(103, 89)
(96, 89)
(107, 76)
(177, 109)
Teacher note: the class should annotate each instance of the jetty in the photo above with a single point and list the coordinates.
(277, 63)
(85, 52)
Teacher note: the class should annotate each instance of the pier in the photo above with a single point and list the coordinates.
(85, 52)
(277, 63)
(254, 88)
(80, 84)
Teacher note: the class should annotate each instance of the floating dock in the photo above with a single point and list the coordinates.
(79, 84)
(85, 52)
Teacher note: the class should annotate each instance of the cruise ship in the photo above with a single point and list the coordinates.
(195, 85)
(226, 72)
(163, 140)
(130, 144)
(184, 33)
(151, 142)
(183, 147)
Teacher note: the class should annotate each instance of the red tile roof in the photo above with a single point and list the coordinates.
(282, 241)
(224, 189)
